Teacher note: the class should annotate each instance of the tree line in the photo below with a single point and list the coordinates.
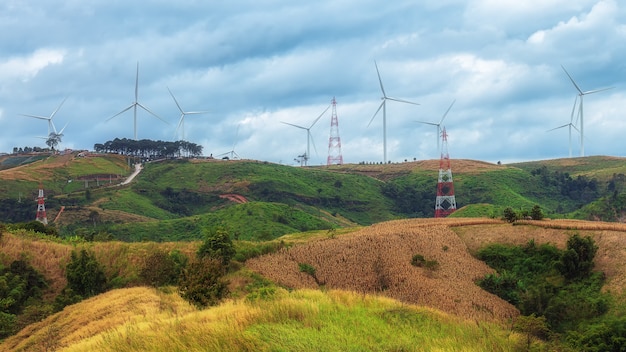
(147, 148)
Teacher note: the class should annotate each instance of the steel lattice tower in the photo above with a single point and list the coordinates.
(445, 203)
(41, 208)
(334, 142)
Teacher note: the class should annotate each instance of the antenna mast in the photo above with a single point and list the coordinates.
(446, 202)
(334, 142)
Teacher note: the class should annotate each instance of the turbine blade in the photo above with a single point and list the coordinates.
(573, 109)
(376, 113)
(556, 128)
(291, 124)
(312, 141)
(447, 111)
(121, 112)
(403, 101)
(176, 101)
(153, 114)
(195, 112)
(427, 123)
(137, 83)
(380, 80)
(57, 109)
(571, 79)
(37, 117)
(63, 129)
(596, 90)
(319, 117)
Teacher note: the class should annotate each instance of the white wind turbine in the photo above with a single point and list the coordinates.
(581, 94)
(571, 125)
(309, 138)
(134, 106)
(181, 121)
(232, 152)
(438, 125)
(51, 127)
(383, 105)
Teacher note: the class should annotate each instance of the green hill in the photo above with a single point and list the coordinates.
(178, 199)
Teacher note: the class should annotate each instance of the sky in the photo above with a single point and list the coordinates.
(256, 64)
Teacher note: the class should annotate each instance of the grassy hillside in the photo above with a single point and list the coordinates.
(142, 319)
(178, 199)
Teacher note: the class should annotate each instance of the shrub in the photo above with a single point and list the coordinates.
(217, 245)
(85, 275)
(159, 269)
(419, 261)
(202, 283)
(577, 260)
(509, 214)
(536, 213)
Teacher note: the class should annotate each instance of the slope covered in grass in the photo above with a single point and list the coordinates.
(142, 319)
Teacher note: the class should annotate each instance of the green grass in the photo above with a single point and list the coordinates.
(130, 202)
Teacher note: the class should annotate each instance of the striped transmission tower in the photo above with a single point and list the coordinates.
(446, 203)
(41, 207)
(334, 142)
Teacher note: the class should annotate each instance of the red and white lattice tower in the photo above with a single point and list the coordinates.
(41, 207)
(446, 203)
(334, 142)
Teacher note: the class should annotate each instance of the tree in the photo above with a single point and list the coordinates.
(577, 260)
(202, 283)
(160, 269)
(532, 326)
(85, 276)
(536, 213)
(509, 214)
(217, 245)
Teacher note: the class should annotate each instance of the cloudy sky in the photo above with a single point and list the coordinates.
(253, 64)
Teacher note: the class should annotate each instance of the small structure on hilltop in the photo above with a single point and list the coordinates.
(446, 202)
(41, 207)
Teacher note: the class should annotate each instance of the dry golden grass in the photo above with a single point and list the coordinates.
(380, 255)
(118, 258)
(97, 315)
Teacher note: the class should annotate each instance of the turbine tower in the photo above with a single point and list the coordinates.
(571, 125)
(581, 94)
(334, 142)
(51, 127)
(438, 125)
(134, 106)
(445, 203)
(181, 121)
(309, 139)
(383, 105)
(41, 207)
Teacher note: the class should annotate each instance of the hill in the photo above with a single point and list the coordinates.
(175, 200)
(142, 319)
(364, 285)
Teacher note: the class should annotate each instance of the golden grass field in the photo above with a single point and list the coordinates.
(357, 262)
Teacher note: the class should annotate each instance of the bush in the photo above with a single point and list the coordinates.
(509, 214)
(85, 276)
(217, 245)
(202, 283)
(419, 261)
(577, 260)
(160, 269)
(536, 213)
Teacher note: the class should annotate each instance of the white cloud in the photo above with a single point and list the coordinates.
(25, 68)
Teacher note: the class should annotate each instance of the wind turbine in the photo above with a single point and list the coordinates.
(51, 127)
(134, 106)
(181, 122)
(581, 94)
(232, 152)
(571, 125)
(438, 125)
(383, 105)
(309, 138)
